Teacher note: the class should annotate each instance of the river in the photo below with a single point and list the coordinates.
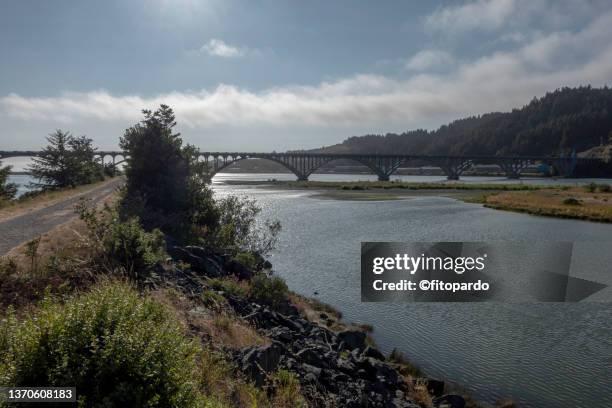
(540, 355)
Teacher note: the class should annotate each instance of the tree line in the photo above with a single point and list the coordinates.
(563, 121)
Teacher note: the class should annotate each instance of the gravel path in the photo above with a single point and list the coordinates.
(18, 230)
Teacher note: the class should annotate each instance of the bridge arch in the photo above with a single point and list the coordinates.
(304, 165)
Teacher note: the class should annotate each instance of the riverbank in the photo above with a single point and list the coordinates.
(267, 345)
(592, 202)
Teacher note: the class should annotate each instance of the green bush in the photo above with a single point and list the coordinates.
(571, 201)
(247, 259)
(605, 188)
(229, 286)
(591, 187)
(7, 190)
(268, 290)
(122, 245)
(116, 347)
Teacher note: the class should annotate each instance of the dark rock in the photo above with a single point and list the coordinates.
(202, 264)
(434, 387)
(382, 372)
(374, 353)
(449, 401)
(238, 269)
(282, 334)
(257, 362)
(353, 339)
(312, 357)
(310, 369)
(346, 366)
(286, 308)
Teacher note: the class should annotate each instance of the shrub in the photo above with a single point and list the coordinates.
(571, 201)
(213, 300)
(228, 285)
(122, 245)
(238, 229)
(117, 348)
(287, 392)
(605, 188)
(247, 259)
(591, 187)
(7, 190)
(268, 290)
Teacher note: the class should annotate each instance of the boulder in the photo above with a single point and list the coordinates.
(353, 339)
(382, 372)
(200, 262)
(312, 357)
(374, 353)
(434, 387)
(258, 362)
(449, 401)
(241, 271)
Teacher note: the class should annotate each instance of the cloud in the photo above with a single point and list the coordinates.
(219, 48)
(427, 59)
(497, 81)
(480, 14)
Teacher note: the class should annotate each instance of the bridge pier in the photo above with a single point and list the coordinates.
(384, 177)
(513, 167)
(452, 167)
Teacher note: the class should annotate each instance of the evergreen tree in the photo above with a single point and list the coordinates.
(7, 190)
(67, 161)
(165, 183)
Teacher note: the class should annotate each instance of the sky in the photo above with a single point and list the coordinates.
(259, 75)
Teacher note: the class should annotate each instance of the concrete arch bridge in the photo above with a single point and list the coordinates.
(384, 165)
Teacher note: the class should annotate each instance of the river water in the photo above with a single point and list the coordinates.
(540, 355)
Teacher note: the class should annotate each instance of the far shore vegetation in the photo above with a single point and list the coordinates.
(591, 202)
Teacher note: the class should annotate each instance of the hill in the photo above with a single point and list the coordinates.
(557, 123)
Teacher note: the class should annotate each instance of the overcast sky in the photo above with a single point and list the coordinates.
(276, 75)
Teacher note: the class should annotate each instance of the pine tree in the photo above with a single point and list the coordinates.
(165, 183)
(67, 161)
(52, 168)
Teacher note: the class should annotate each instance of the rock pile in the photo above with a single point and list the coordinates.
(334, 369)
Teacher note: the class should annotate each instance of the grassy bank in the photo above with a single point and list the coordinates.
(592, 202)
(576, 203)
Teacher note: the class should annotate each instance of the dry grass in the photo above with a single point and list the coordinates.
(219, 325)
(66, 238)
(418, 392)
(574, 202)
(16, 208)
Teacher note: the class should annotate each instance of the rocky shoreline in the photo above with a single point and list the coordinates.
(334, 368)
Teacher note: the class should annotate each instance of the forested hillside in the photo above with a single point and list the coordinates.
(563, 120)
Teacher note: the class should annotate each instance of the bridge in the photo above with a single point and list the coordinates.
(303, 164)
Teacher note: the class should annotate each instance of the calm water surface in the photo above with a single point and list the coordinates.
(540, 355)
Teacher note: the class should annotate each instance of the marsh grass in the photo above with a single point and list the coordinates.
(569, 203)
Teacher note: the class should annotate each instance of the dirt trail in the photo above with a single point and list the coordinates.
(22, 228)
